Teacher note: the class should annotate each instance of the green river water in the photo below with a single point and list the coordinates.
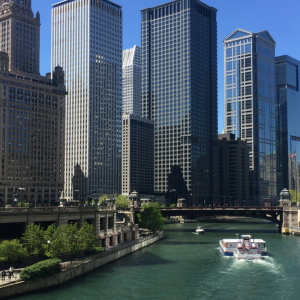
(189, 266)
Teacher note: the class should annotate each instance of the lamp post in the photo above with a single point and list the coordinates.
(48, 242)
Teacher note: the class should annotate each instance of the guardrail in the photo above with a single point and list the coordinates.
(55, 209)
(264, 208)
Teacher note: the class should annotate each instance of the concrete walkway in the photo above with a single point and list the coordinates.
(13, 279)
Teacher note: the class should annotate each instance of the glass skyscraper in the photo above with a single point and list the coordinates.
(179, 93)
(131, 81)
(249, 64)
(288, 129)
(87, 42)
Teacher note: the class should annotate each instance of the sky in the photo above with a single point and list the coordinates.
(280, 18)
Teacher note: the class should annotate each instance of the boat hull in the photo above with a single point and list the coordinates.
(227, 253)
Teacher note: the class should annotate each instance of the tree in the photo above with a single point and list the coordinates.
(293, 195)
(12, 251)
(103, 198)
(56, 248)
(151, 218)
(173, 205)
(86, 237)
(33, 239)
(122, 202)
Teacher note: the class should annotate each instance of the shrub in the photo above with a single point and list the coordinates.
(42, 269)
(98, 249)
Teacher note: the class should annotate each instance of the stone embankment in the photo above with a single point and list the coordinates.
(79, 268)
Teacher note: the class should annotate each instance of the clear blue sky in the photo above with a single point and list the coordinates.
(280, 18)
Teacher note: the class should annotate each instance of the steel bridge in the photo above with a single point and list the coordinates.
(273, 213)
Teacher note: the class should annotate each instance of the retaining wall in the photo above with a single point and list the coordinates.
(84, 268)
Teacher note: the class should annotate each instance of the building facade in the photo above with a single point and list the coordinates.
(131, 81)
(288, 130)
(87, 43)
(137, 154)
(250, 104)
(233, 170)
(179, 93)
(20, 35)
(32, 111)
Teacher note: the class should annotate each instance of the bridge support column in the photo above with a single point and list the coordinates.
(97, 225)
(115, 240)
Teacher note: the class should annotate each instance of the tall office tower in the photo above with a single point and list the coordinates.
(32, 111)
(179, 93)
(137, 154)
(288, 130)
(249, 60)
(87, 43)
(131, 81)
(20, 35)
(233, 170)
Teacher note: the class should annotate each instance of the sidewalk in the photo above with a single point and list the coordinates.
(13, 279)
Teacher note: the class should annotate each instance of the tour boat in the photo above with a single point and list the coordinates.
(243, 248)
(200, 230)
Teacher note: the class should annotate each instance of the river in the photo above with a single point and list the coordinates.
(189, 266)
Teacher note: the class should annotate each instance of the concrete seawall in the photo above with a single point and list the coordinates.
(84, 268)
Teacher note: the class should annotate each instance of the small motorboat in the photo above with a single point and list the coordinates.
(200, 230)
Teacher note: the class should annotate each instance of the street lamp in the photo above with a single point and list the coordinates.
(48, 242)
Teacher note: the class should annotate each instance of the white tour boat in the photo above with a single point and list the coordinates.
(200, 230)
(243, 248)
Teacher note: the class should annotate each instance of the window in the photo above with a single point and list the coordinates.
(229, 52)
(229, 66)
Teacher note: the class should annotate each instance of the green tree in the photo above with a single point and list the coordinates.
(122, 202)
(294, 198)
(33, 239)
(173, 205)
(163, 206)
(86, 237)
(12, 250)
(103, 199)
(56, 248)
(151, 218)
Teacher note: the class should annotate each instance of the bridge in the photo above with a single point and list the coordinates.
(273, 213)
(14, 221)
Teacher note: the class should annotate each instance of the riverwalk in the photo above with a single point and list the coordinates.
(79, 268)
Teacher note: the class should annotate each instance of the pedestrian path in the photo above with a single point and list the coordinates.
(8, 280)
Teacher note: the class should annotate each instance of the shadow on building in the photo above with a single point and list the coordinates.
(79, 182)
(177, 186)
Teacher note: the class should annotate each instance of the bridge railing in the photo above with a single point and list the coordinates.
(55, 209)
(262, 208)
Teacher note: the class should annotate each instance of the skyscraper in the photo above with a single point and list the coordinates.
(87, 42)
(233, 170)
(32, 112)
(20, 35)
(137, 154)
(249, 61)
(179, 93)
(288, 130)
(131, 81)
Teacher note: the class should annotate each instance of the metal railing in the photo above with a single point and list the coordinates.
(55, 209)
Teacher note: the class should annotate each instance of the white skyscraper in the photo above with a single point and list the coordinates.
(87, 43)
(131, 81)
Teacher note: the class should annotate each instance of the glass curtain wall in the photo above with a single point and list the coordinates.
(250, 105)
